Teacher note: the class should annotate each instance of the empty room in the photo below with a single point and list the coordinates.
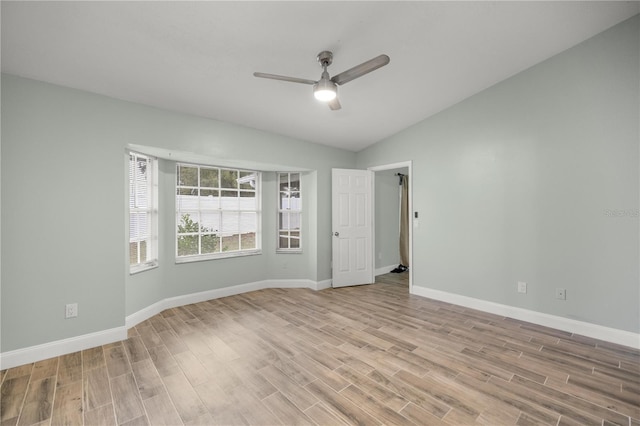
(320, 212)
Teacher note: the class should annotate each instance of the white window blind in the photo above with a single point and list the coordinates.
(143, 212)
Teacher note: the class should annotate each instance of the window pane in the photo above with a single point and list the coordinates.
(133, 253)
(294, 181)
(248, 194)
(229, 178)
(248, 180)
(143, 251)
(248, 222)
(187, 224)
(230, 200)
(231, 243)
(283, 222)
(187, 176)
(294, 243)
(233, 194)
(209, 201)
(208, 177)
(210, 222)
(230, 223)
(284, 241)
(210, 243)
(294, 202)
(284, 200)
(248, 241)
(187, 245)
(284, 181)
(209, 193)
(294, 220)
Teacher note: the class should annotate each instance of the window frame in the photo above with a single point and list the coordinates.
(217, 235)
(152, 239)
(280, 210)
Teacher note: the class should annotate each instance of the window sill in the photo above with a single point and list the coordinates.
(144, 267)
(201, 258)
(289, 251)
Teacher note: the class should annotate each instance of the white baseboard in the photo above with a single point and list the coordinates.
(385, 269)
(61, 347)
(595, 331)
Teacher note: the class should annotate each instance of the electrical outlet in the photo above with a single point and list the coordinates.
(561, 293)
(522, 287)
(71, 310)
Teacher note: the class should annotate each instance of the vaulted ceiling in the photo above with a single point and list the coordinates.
(199, 57)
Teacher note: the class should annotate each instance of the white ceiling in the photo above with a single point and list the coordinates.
(198, 57)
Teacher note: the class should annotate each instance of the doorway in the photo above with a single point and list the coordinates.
(386, 217)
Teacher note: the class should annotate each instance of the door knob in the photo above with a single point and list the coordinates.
(337, 234)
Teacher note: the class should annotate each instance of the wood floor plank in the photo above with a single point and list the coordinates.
(67, 408)
(12, 396)
(69, 369)
(44, 369)
(296, 394)
(93, 358)
(340, 405)
(38, 402)
(161, 411)
(163, 361)
(381, 393)
(253, 410)
(252, 380)
(321, 415)
(135, 349)
(286, 411)
(116, 360)
(20, 371)
(126, 399)
(96, 388)
(420, 416)
(101, 416)
(373, 406)
(432, 406)
(184, 397)
(149, 335)
(192, 368)
(147, 379)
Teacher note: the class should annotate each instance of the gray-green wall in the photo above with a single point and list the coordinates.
(64, 217)
(535, 180)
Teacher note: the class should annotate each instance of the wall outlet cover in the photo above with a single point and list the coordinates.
(71, 310)
(522, 287)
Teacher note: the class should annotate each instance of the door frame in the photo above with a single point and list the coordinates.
(408, 165)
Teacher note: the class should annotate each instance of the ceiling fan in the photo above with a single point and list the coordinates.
(326, 89)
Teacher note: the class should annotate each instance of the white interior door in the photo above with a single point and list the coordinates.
(352, 227)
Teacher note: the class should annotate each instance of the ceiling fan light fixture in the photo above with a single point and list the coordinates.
(325, 90)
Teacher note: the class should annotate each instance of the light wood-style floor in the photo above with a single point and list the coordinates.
(360, 355)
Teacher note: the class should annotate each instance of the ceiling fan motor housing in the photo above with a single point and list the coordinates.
(325, 58)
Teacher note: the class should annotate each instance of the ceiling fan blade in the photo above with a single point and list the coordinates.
(284, 78)
(360, 70)
(334, 104)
